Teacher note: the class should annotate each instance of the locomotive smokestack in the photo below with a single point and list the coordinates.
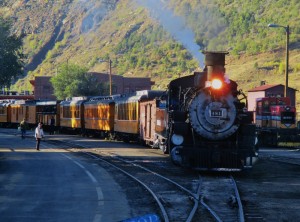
(215, 64)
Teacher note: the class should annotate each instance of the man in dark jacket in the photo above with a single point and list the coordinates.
(23, 126)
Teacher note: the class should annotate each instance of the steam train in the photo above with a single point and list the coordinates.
(200, 120)
(209, 127)
(276, 121)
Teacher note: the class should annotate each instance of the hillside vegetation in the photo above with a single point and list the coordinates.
(146, 39)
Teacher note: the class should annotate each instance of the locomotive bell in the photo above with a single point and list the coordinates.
(215, 64)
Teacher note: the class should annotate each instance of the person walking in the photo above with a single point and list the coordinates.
(39, 134)
(23, 126)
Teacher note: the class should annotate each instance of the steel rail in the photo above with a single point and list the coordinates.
(159, 175)
(211, 211)
(195, 197)
(163, 210)
(237, 195)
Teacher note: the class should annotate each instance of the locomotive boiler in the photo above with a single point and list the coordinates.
(209, 127)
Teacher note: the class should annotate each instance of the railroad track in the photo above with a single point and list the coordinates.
(168, 194)
(221, 197)
(180, 195)
(257, 207)
(217, 196)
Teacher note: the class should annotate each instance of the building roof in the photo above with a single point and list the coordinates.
(25, 97)
(263, 87)
(266, 87)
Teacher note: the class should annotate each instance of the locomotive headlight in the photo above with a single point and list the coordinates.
(177, 139)
(216, 84)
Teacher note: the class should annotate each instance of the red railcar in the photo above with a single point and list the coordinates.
(154, 122)
(134, 116)
(276, 121)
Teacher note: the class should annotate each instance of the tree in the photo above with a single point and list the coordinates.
(11, 56)
(73, 80)
(3, 3)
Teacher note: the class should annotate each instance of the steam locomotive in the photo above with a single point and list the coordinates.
(200, 120)
(209, 127)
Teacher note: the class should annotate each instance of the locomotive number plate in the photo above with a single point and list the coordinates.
(216, 113)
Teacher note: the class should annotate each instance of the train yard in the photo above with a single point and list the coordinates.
(171, 140)
(153, 185)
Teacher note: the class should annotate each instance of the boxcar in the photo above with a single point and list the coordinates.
(72, 114)
(161, 124)
(152, 122)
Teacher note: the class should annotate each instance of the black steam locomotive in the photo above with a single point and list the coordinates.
(209, 127)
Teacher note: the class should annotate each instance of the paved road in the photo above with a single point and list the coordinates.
(54, 185)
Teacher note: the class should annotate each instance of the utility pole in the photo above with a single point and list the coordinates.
(109, 73)
(110, 79)
(287, 31)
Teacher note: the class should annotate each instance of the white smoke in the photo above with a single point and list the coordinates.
(175, 25)
(94, 13)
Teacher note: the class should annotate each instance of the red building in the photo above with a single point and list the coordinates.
(43, 88)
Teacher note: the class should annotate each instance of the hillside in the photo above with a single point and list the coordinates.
(161, 40)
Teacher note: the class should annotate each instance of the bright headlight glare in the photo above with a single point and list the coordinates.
(216, 84)
(177, 139)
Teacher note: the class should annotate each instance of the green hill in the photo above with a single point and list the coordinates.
(160, 40)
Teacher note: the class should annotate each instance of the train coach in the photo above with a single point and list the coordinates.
(72, 115)
(23, 109)
(5, 112)
(48, 113)
(99, 113)
(33, 111)
(135, 116)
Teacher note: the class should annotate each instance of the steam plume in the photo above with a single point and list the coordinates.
(174, 25)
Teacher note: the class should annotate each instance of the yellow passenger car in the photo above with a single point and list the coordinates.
(5, 113)
(99, 115)
(24, 109)
(71, 114)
